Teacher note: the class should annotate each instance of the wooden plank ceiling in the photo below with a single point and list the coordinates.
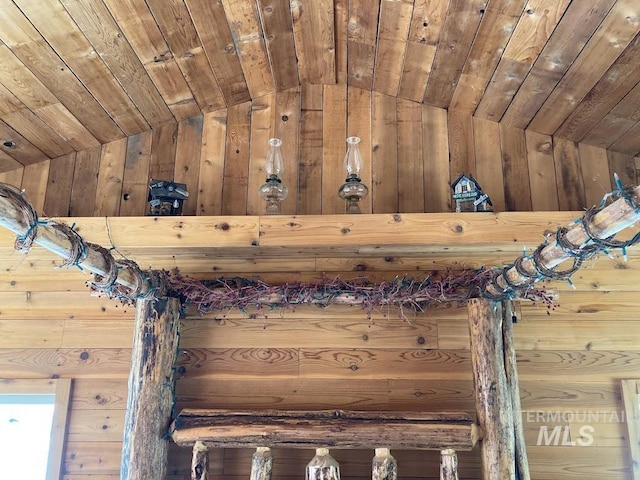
(78, 73)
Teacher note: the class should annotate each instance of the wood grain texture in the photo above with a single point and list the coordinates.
(384, 144)
(84, 191)
(568, 175)
(59, 185)
(542, 174)
(517, 190)
(236, 165)
(187, 165)
(577, 25)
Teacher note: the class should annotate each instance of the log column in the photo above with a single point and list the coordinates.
(448, 464)
(493, 397)
(151, 383)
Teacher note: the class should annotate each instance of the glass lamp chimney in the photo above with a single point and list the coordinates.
(353, 190)
(273, 191)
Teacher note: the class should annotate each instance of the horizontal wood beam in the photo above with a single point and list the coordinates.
(342, 429)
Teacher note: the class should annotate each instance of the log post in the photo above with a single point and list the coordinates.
(384, 466)
(151, 383)
(522, 462)
(200, 462)
(493, 397)
(448, 464)
(261, 464)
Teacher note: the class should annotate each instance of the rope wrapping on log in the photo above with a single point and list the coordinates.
(516, 279)
(123, 279)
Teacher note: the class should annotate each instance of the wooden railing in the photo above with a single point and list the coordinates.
(204, 429)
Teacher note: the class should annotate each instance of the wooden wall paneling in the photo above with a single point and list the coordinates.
(135, 182)
(462, 152)
(384, 144)
(95, 426)
(14, 75)
(598, 55)
(27, 44)
(629, 142)
(21, 84)
(213, 29)
(316, 39)
(309, 201)
(577, 25)
(435, 158)
(100, 28)
(262, 129)
(37, 132)
(529, 37)
(75, 50)
(496, 27)
(287, 128)
(173, 19)
(163, 152)
(13, 177)
(615, 124)
(424, 32)
(458, 32)
(486, 138)
(393, 30)
(143, 34)
(110, 177)
(624, 165)
(8, 163)
(187, 168)
(20, 148)
(362, 31)
(309, 194)
(359, 124)
(410, 150)
(59, 184)
(67, 126)
(568, 175)
(542, 173)
(236, 166)
(340, 40)
(84, 191)
(415, 70)
(248, 37)
(277, 24)
(595, 173)
(212, 160)
(9, 103)
(34, 183)
(612, 87)
(334, 132)
(517, 187)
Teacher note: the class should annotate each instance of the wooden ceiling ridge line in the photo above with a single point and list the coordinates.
(581, 239)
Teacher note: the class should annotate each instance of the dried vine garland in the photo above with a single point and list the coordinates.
(401, 292)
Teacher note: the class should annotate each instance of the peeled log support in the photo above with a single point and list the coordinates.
(522, 462)
(151, 383)
(200, 462)
(448, 464)
(493, 396)
(261, 464)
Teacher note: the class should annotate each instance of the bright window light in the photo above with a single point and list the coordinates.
(25, 432)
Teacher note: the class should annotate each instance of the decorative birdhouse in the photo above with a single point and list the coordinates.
(166, 198)
(469, 197)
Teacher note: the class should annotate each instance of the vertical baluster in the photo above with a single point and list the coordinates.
(448, 464)
(384, 466)
(261, 464)
(200, 462)
(323, 466)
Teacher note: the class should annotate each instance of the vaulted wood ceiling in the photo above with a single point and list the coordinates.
(78, 73)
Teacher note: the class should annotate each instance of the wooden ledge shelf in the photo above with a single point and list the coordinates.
(338, 428)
